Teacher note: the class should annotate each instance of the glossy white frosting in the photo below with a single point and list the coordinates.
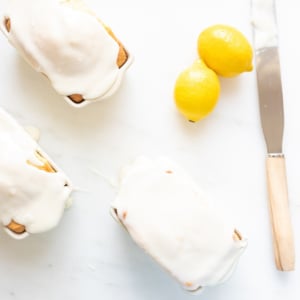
(67, 43)
(169, 217)
(264, 23)
(29, 196)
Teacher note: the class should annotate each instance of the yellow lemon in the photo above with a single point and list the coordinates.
(196, 91)
(225, 50)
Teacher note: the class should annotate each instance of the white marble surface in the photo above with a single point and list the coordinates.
(89, 256)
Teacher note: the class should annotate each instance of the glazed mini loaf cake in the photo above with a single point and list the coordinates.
(167, 215)
(67, 43)
(33, 190)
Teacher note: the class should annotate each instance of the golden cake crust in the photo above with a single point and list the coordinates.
(121, 60)
(47, 167)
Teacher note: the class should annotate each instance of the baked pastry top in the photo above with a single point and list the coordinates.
(33, 190)
(169, 217)
(67, 43)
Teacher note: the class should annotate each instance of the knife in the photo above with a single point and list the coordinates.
(272, 120)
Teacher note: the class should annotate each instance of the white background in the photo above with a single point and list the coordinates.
(88, 256)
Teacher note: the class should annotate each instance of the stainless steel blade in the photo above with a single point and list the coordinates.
(270, 97)
(268, 73)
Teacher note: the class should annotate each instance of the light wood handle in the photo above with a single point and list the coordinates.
(283, 240)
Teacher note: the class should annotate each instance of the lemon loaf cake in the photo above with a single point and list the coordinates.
(33, 190)
(169, 217)
(70, 45)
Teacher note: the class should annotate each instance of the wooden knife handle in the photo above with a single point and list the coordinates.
(283, 240)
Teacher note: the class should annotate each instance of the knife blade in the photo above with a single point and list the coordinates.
(272, 120)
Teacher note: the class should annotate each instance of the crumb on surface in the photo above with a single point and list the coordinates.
(237, 235)
(76, 98)
(16, 227)
(188, 284)
(7, 24)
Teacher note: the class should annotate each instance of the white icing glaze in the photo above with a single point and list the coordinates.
(264, 23)
(33, 131)
(167, 215)
(29, 196)
(67, 43)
